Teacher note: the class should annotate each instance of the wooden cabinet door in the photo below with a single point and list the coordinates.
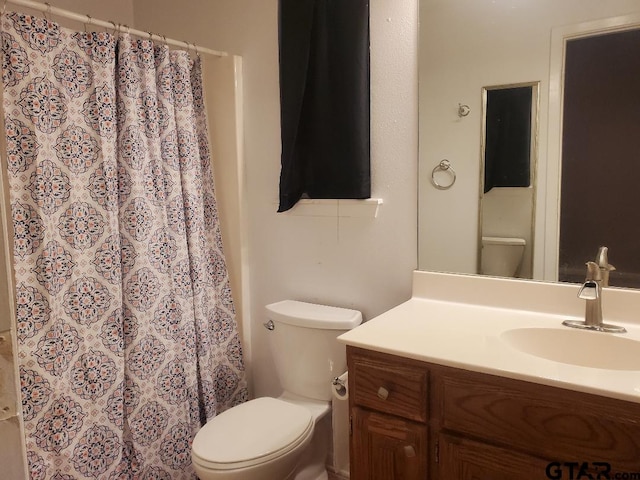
(463, 459)
(385, 447)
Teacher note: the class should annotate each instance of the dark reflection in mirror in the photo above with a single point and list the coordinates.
(600, 153)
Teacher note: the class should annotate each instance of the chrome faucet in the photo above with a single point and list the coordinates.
(591, 292)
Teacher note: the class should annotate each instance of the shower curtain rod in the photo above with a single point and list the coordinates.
(88, 20)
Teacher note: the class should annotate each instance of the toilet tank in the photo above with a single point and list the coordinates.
(501, 256)
(304, 345)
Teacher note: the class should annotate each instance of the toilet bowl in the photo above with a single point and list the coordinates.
(282, 438)
(501, 256)
(259, 439)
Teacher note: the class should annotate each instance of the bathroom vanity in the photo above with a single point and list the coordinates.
(439, 389)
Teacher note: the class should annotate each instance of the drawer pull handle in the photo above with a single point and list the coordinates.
(383, 393)
(409, 451)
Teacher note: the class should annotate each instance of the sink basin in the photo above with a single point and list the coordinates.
(577, 347)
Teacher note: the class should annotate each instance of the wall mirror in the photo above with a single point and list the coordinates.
(466, 48)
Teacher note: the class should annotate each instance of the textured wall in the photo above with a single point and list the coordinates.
(359, 263)
(118, 11)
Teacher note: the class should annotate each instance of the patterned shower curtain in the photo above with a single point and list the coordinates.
(126, 326)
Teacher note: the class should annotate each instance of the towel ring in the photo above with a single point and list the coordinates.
(443, 166)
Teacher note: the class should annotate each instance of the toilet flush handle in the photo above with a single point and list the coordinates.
(269, 325)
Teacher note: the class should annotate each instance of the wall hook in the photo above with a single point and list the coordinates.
(463, 110)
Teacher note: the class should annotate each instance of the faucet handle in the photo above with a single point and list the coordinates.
(602, 256)
(602, 259)
(593, 272)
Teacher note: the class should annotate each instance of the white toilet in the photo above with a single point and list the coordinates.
(501, 256)
(288, 437)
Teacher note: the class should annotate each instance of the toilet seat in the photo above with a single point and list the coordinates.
(252, 433)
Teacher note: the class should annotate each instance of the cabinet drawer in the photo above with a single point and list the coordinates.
(389, 386)
(464, 459)
(545, 421)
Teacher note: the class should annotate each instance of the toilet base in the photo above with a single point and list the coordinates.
(313, 463)
(322, 476)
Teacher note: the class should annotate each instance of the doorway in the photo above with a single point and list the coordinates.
(601, 156)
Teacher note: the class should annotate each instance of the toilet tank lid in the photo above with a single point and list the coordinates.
(311, 315)
(503, 241)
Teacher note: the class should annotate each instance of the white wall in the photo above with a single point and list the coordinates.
(118, 11)
(466, 45)
(360, 263)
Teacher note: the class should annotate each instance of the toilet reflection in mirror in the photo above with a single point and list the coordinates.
(502, 256)
(508, 180)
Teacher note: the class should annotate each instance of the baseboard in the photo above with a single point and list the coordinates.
(337, 475)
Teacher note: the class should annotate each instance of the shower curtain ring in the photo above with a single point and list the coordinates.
(4, 7)
(47, 14)
(88, 22)
(115, 27)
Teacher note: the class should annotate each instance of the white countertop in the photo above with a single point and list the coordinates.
(464, 330)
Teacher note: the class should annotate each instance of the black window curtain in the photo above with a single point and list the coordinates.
(507, 155)
(324, 100)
